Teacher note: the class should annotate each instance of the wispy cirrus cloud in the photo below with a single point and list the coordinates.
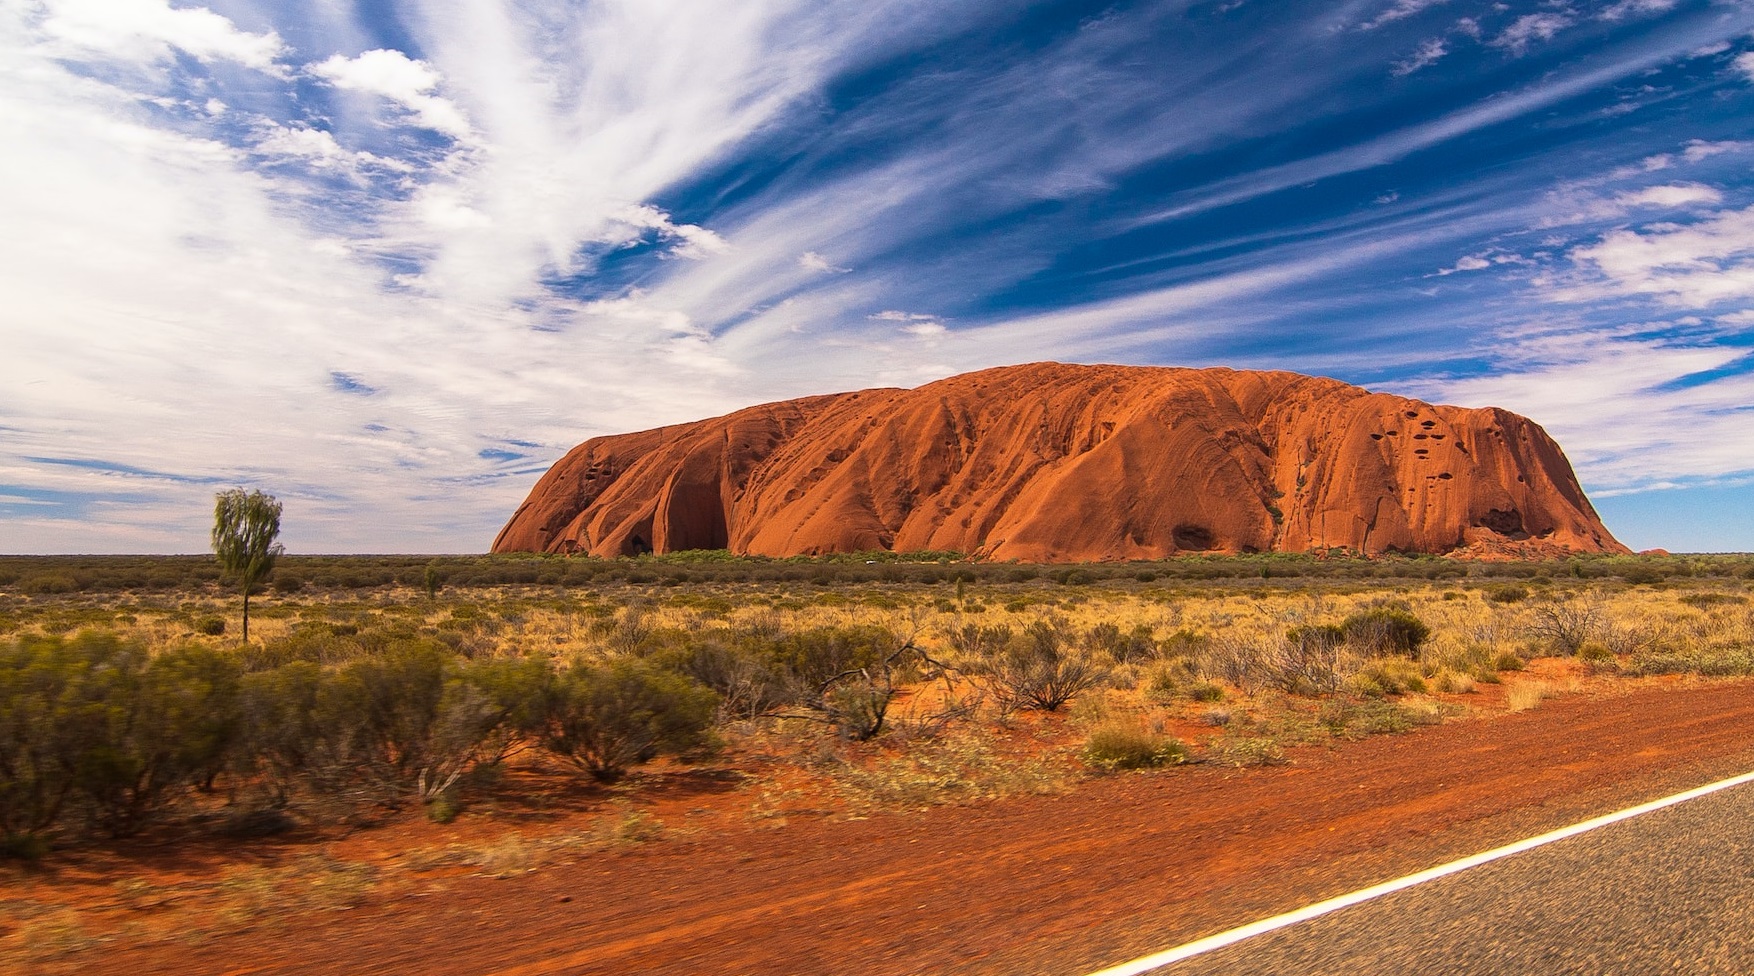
(1430, 52)
(428, 247)
(1531, 29)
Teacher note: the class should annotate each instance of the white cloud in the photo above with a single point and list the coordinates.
(1469, 263)
(1480, 262)
(1694, 265)
(132, 241)
(1429, 53)
(1699, 149)
(1530, 28)
(688, 240)
(925, 330)
(147, 31)
(1570, 206)
(401, 79)
(317, 149)
(1670, 195)
(1399, 10)
(895, 315)
(1745, 64)
(811, 261)
(1637, 8)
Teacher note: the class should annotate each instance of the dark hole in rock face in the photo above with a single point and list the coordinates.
(1428, 424)
(637, 546)
(1445, 476)
(1504, 522)
(1197, 538)
(1376, 437)
(1411, 414)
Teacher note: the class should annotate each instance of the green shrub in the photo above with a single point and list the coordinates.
(1508, 661)
(1037, 671)
(811, 658)
(418, 718)
(1206, 691)
(975, 643)
(55, 702)
(1386, 630)
(1123, 646)
(92, 724)
(1326, 635)
(280, 742)
(1508, 593)
(211, 626)
(1124, 745)
(45, 584)
(608, 718)
(1247, 750)
(1388, 676)
(733, 664)
(1453, 682)
(1597, 657)
(1705, 600)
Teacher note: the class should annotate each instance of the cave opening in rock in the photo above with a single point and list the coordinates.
(1196, 538)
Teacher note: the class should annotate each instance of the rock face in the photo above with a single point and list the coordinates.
(1059, 463)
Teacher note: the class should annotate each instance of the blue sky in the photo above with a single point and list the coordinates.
(389, 260)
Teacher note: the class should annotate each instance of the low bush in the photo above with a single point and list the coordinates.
(1038, 670)
(607, 718)
(1452, 682)
(1206, 691)
(1386, 630)
(1388, 676)
(1565, 625)
(1123, 646)
(1124, 745)
(92, 729)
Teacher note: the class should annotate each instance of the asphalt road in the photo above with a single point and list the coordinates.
(1668, 892)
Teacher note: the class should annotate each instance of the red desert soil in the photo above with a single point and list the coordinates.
(1120, 866)
(1064, 463)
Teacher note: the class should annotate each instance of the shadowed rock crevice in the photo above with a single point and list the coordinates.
(1062, 463)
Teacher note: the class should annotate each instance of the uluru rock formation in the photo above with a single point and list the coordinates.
(1061, 463)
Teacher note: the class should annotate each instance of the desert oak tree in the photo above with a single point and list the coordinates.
(245, 525)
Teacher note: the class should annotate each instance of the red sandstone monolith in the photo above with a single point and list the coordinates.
(1062, 463)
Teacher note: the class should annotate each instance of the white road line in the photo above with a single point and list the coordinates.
(1159, 960)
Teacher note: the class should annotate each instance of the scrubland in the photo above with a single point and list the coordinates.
(492, 715)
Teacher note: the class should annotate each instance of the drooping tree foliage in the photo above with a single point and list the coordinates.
(245, 525)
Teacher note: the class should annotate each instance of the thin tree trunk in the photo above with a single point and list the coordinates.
(246, 613)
